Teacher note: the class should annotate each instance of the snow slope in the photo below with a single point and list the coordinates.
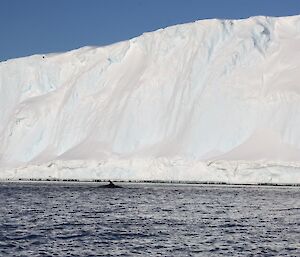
(213, 100)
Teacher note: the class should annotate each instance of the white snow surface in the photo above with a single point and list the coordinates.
(213, 100)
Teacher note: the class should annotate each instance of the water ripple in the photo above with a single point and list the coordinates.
(146, 220)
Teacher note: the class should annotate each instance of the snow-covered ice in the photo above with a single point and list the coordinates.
(213, 100)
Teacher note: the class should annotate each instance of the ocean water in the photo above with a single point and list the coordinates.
(77, 219)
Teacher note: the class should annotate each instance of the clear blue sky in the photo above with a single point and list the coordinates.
(43, 26)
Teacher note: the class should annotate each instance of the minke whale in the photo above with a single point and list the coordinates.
(110, 185)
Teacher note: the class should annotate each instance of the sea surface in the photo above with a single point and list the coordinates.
(82, 219)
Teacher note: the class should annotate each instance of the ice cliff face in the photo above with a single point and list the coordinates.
(221, 90)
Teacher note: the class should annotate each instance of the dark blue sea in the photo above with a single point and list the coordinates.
(81, 219)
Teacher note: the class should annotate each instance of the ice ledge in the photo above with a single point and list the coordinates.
(161, 169)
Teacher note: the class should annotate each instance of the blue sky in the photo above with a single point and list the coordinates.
(43, 26)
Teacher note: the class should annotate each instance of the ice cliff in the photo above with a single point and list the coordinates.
(213, 100)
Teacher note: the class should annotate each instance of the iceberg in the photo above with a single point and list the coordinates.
(208, 101)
